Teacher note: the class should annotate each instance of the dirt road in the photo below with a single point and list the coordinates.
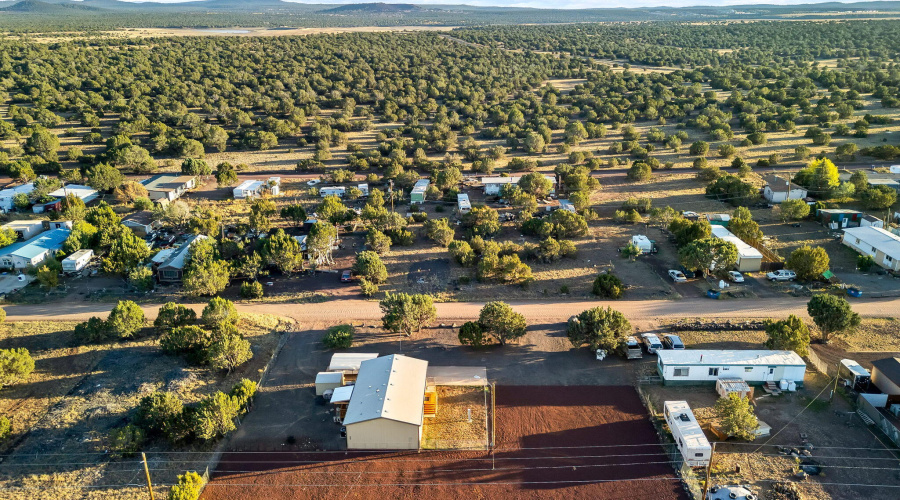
(534, 311)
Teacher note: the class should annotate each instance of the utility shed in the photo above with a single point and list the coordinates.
(349, 362)
(328, 380)
(735, 385)
(749, 258)
(886, 377)
(697, 366)
(386, 408)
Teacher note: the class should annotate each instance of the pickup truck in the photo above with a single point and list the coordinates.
(781, 275)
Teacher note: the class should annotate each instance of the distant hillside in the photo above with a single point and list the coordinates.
(375, 8)
(38, 7)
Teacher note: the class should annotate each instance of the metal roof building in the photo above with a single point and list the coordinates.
(33, 252)
(749, 258)
(692, 366)
(386, 408)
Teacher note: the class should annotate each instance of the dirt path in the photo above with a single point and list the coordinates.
(534, 311)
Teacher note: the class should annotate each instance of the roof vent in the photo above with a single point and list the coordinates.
(684, 417)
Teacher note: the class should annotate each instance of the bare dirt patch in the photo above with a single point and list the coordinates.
(552, 442)
(461, 419)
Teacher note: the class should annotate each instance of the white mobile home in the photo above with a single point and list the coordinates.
(364, 189)
(248, 189)
(567, 206)
(692, 443)
(492, 185)
(463, 204)
(332, 191)
(85, 193)
(31, 253)
(881, 245)
(8, 195)
(749, 258)
(696, 366)
(417, 195)
(77, 261)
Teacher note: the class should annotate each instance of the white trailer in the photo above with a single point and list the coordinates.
(643, 243)
(77, 261)
(332, 191)
(689, 437)
(463, 204)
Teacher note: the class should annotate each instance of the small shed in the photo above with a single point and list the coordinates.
(871, 220)
(328, 380)
(733, 385)
(886, 377)
(348, 363)
(838, 218)
(77, 261)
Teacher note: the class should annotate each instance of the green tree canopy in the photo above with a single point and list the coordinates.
(407, 313)
(790, 334)
(500, 321)
(808, 262)
(736, 417)
(599, 328)
(832, 314)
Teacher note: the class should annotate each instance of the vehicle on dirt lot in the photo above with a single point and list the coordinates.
(313, 182)
(735, 276)
(651, 342)
(687, 272)
(781, 275)
(346, 277)
(632, 348)
(677, 276)
(672, 342)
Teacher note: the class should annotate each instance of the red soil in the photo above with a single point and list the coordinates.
(552, 442)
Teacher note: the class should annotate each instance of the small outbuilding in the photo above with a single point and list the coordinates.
(839, 218)
(733, 385)
(697, 366)
(886, 377)
(463, 204)
(386, 409)
(417, 195)
(141, 222)
(25, 229)
(326, 381)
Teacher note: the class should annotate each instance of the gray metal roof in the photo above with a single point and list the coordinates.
(179, 256)
(391, 387)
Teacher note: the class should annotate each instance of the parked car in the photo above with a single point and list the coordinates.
(346, 277)
(632, 348)
(672, 342)
(735, 276)
(313, 182)
(651, 343)
(677, 276)
(782, 275)
(687, 272)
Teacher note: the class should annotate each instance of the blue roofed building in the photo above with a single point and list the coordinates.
(31, 253)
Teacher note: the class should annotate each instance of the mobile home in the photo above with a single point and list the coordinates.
(463, 204)
(692, 443)
(77, 261)
(697, 366)
(417, 195)
(749, 258)
(332, 191)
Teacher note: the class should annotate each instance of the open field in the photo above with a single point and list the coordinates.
(461, 420)
(575, 442)
(63, 413)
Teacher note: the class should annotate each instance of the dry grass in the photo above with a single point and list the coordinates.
(873, 335)
(78, 394)
(450, 428)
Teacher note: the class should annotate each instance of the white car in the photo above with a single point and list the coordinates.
(313, 182)
(677, 276)
(782, 275)
(735, 276)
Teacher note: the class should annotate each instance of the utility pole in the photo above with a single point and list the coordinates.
(147, 471)
(391, 193)
(712, 452)
(837, 375)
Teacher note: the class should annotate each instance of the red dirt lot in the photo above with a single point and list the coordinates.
(585, 442)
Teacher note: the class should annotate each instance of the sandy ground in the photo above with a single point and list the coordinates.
(576, 442)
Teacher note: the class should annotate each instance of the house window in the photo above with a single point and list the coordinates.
(713, 372)
(887, 258)
(698, 455)
(748, 369)
(857, 241)
(680, 372)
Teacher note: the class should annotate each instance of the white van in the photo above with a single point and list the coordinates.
(651, 342)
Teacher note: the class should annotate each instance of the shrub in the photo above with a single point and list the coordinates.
(188, 487)
(401, 237)
(128, 440)
(214, 416)
(161, 413)
(252, 290)
(368, 265)
(640, 172)
(2, 315)
(190, 341)
(228, 351)
(608, 286)
(471, 333)
(367, 287)
(243, 392)
(5, 428)
(125, 320)
(378, 242)
(141, 278)
(15, 365)
(172, 315)
(462, 252)
(339, 337)
(219, 311)
(864, 262)
(92, 331)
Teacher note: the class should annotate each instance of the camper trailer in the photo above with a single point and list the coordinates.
(854, 376)
(689, 437)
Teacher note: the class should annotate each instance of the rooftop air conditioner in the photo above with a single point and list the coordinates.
(895, 410)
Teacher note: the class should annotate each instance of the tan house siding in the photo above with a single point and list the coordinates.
(383, 434)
